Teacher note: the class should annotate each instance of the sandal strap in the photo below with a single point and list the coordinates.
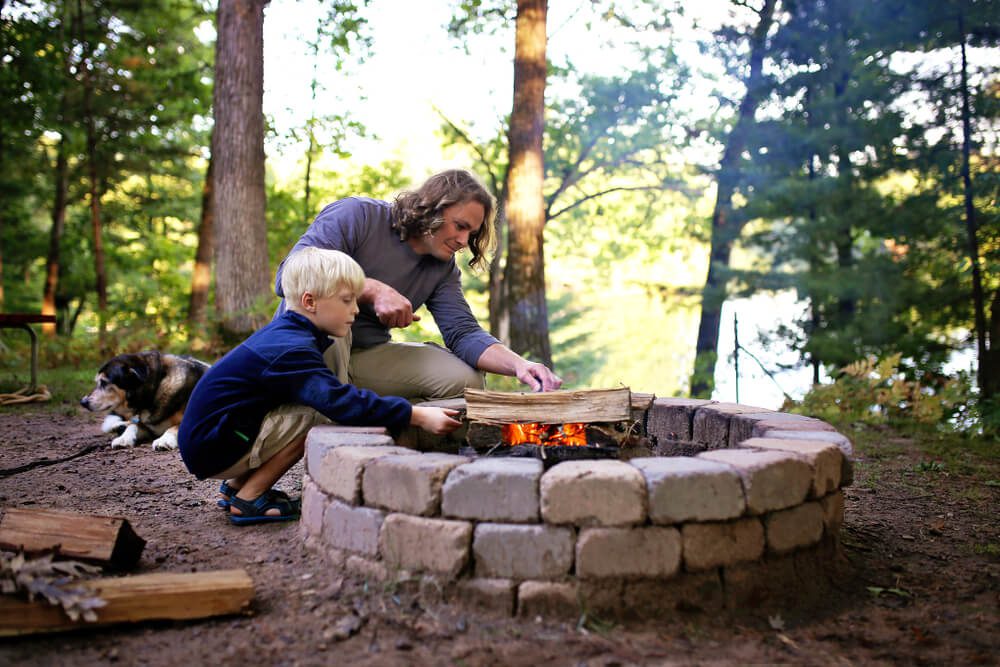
(266, 501)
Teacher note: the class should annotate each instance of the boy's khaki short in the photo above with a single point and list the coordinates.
(280, 427)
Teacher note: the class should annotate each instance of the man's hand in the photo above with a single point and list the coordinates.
(439, 421)
(392, 308)
(538, 376)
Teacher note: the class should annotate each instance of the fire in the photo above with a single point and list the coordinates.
(550, 435)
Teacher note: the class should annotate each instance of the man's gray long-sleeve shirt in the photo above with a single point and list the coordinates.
(362, 228)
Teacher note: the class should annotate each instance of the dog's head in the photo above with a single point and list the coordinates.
(117, 384)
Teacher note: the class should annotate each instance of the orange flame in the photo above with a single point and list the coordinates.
(549, 435)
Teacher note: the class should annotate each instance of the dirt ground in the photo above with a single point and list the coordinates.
(921, 547)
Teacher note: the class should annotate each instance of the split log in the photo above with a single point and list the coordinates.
(550, 407)
(103, 540)
(144, 597)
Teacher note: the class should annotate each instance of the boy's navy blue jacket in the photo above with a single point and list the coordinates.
(279, 364)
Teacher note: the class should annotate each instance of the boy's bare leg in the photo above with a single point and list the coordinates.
(261, 479)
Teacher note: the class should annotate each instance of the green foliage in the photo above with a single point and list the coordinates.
(873, 391)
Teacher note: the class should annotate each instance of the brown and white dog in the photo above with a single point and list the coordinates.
(145, 394)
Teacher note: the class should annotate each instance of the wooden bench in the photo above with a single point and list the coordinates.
(23, 321)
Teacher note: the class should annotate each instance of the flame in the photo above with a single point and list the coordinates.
(550, 435)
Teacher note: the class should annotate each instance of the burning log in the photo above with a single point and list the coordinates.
(551, 407)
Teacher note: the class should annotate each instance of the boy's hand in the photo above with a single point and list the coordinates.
(439, 421)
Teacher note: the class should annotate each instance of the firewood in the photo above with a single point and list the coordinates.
(550, 407)
(144, 597)
(103, 540)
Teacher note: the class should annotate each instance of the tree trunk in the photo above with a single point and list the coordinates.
(726, 227)
(241, 265)
(94, 191)
(987, 387)
(202, 277)
(525, 270)
(55, 238)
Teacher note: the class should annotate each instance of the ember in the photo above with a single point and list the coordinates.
(550, 435)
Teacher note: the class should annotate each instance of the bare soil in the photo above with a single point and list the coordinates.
(921, 583)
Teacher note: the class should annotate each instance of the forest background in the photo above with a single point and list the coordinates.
(828, 169)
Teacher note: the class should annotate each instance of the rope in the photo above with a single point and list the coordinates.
(7, 472)
(40, 395)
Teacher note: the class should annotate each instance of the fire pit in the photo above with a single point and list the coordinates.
(693, 505)
(552, 427)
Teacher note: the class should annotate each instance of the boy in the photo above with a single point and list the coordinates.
(247, 419)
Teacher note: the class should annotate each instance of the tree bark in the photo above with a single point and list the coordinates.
(202, 276)
(525, 208)
(726, 226)
(987, 386)
(94, 190)
(52, 262)
(239, 199)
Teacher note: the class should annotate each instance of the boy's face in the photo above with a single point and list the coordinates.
(335, 314)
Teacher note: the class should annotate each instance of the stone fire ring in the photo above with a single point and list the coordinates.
(749, 515)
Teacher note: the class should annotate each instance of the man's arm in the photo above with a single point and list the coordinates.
(502, 360)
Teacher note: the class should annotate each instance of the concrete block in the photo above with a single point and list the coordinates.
(522, 552)
(743, 426)
(833, 513)
(793, 528)
(419, 544)
(493, 489)
(547, 599)
(824, 458)
(588, 493)
(708, 545)
(690, 489)
(661, 599)
(628, 552)
(493, 595)
(670, 418)
(339, 471)
(368, 569)
(711, 422)
(410, 484)
(354, 529)
(771, 480)
(846, 448)
(314, 503)
(322, 440)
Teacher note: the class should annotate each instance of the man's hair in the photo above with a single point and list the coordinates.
(320, 271)
(419, 212)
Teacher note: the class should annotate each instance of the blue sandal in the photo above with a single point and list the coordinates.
(255, 511)
(228, 492)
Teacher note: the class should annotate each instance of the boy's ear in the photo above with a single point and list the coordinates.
(308, 302)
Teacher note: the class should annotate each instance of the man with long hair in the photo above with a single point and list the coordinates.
(407, 249)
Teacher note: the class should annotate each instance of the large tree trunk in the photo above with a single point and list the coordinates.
(726, 226)
(525, 269)
(241, 266)
(202, 276)
(55, 238)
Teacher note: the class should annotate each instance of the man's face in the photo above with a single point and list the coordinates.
(335, 314)
(460, 222)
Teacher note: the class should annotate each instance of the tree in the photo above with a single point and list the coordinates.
(727, 222)
(241, 266)
(524, 275)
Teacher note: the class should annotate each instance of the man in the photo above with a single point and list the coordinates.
(407, 249)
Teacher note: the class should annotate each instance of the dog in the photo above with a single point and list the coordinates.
(145, 394)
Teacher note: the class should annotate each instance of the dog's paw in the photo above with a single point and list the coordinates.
(128, 438)
(113, 424)
(165, 442)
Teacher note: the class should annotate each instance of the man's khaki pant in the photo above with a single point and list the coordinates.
(416, 371)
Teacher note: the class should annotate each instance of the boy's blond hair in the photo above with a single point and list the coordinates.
(320, 271)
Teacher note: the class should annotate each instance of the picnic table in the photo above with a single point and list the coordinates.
(24, 321)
